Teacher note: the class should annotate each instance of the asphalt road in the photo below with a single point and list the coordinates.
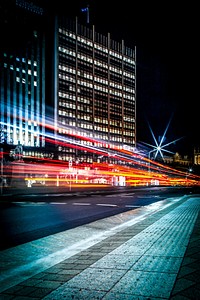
(29, 217)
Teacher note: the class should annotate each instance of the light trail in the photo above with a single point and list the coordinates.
(131, 167)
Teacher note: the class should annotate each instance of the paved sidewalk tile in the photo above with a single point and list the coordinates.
(155, 258)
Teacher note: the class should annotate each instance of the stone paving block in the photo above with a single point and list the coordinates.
(7, 297)
(69, 272)
(181, 285)
(84, 261)
(120, 296)
(188, 260)
(14, 289)
(165, 264)
(25, 291)
(96, 279)
(75, 294)
(30, 282)
(185, 270)
(147, 284)
(40, 292)
(161, 250)
(52, 284)
(38, 276)
(131, 250)
(56, 269)
(116, 261)
(61, 277)
(191, 293)
(194, 276)
(79, 267)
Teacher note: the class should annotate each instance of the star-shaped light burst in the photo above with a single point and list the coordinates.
(159, 148)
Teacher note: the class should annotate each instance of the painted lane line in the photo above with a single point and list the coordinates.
(58, 203)
(76, 203)
(105, 204)
(30, 203)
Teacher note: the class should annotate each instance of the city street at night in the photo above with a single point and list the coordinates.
(146, 252)
(99, 151)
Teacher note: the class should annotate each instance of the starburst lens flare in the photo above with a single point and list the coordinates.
(159, 148)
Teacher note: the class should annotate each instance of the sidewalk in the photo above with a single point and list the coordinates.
(148, 253)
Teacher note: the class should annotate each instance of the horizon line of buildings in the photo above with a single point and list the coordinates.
(66, 90)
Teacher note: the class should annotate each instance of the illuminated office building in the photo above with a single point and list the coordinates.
(22, 80)
(95, 80)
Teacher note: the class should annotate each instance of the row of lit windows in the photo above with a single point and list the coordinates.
(128, 120)
(89, 76)
(95, 45)
(128, 125)
(100, 87)
(83, 108)
(67, 78)
(100, 80)
(67, 69)
(24, 139)
(97, 63)
(66, 157)
(101, 128)
(72, 114)
(102, 137)
(116, 139)
(37, 154)
(69, 105)
(67, 113)
(24, 60)
(67, 96)
(23, 80)
(89, 126)
(23, 71)
(128, 141)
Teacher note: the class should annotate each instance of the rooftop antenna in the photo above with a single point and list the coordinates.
(86, 9)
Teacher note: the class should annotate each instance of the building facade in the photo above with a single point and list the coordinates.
(95, 80)
(67, 85)
(22, 80)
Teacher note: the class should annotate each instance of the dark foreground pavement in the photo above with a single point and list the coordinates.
(148, 253)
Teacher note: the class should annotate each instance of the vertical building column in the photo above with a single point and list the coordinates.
(109, 87)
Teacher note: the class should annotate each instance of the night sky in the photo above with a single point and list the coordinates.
(166, 38)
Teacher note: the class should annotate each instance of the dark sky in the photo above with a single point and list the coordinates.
(166, 37)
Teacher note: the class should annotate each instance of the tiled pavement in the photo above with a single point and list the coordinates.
(157, 257)
(187, 284)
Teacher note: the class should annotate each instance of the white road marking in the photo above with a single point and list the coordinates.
(106, 204)
(76, 203)
(30, 203)
(58, 203)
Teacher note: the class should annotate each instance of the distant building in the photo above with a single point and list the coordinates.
(197, 156)
(66, 82)
(22, 80)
